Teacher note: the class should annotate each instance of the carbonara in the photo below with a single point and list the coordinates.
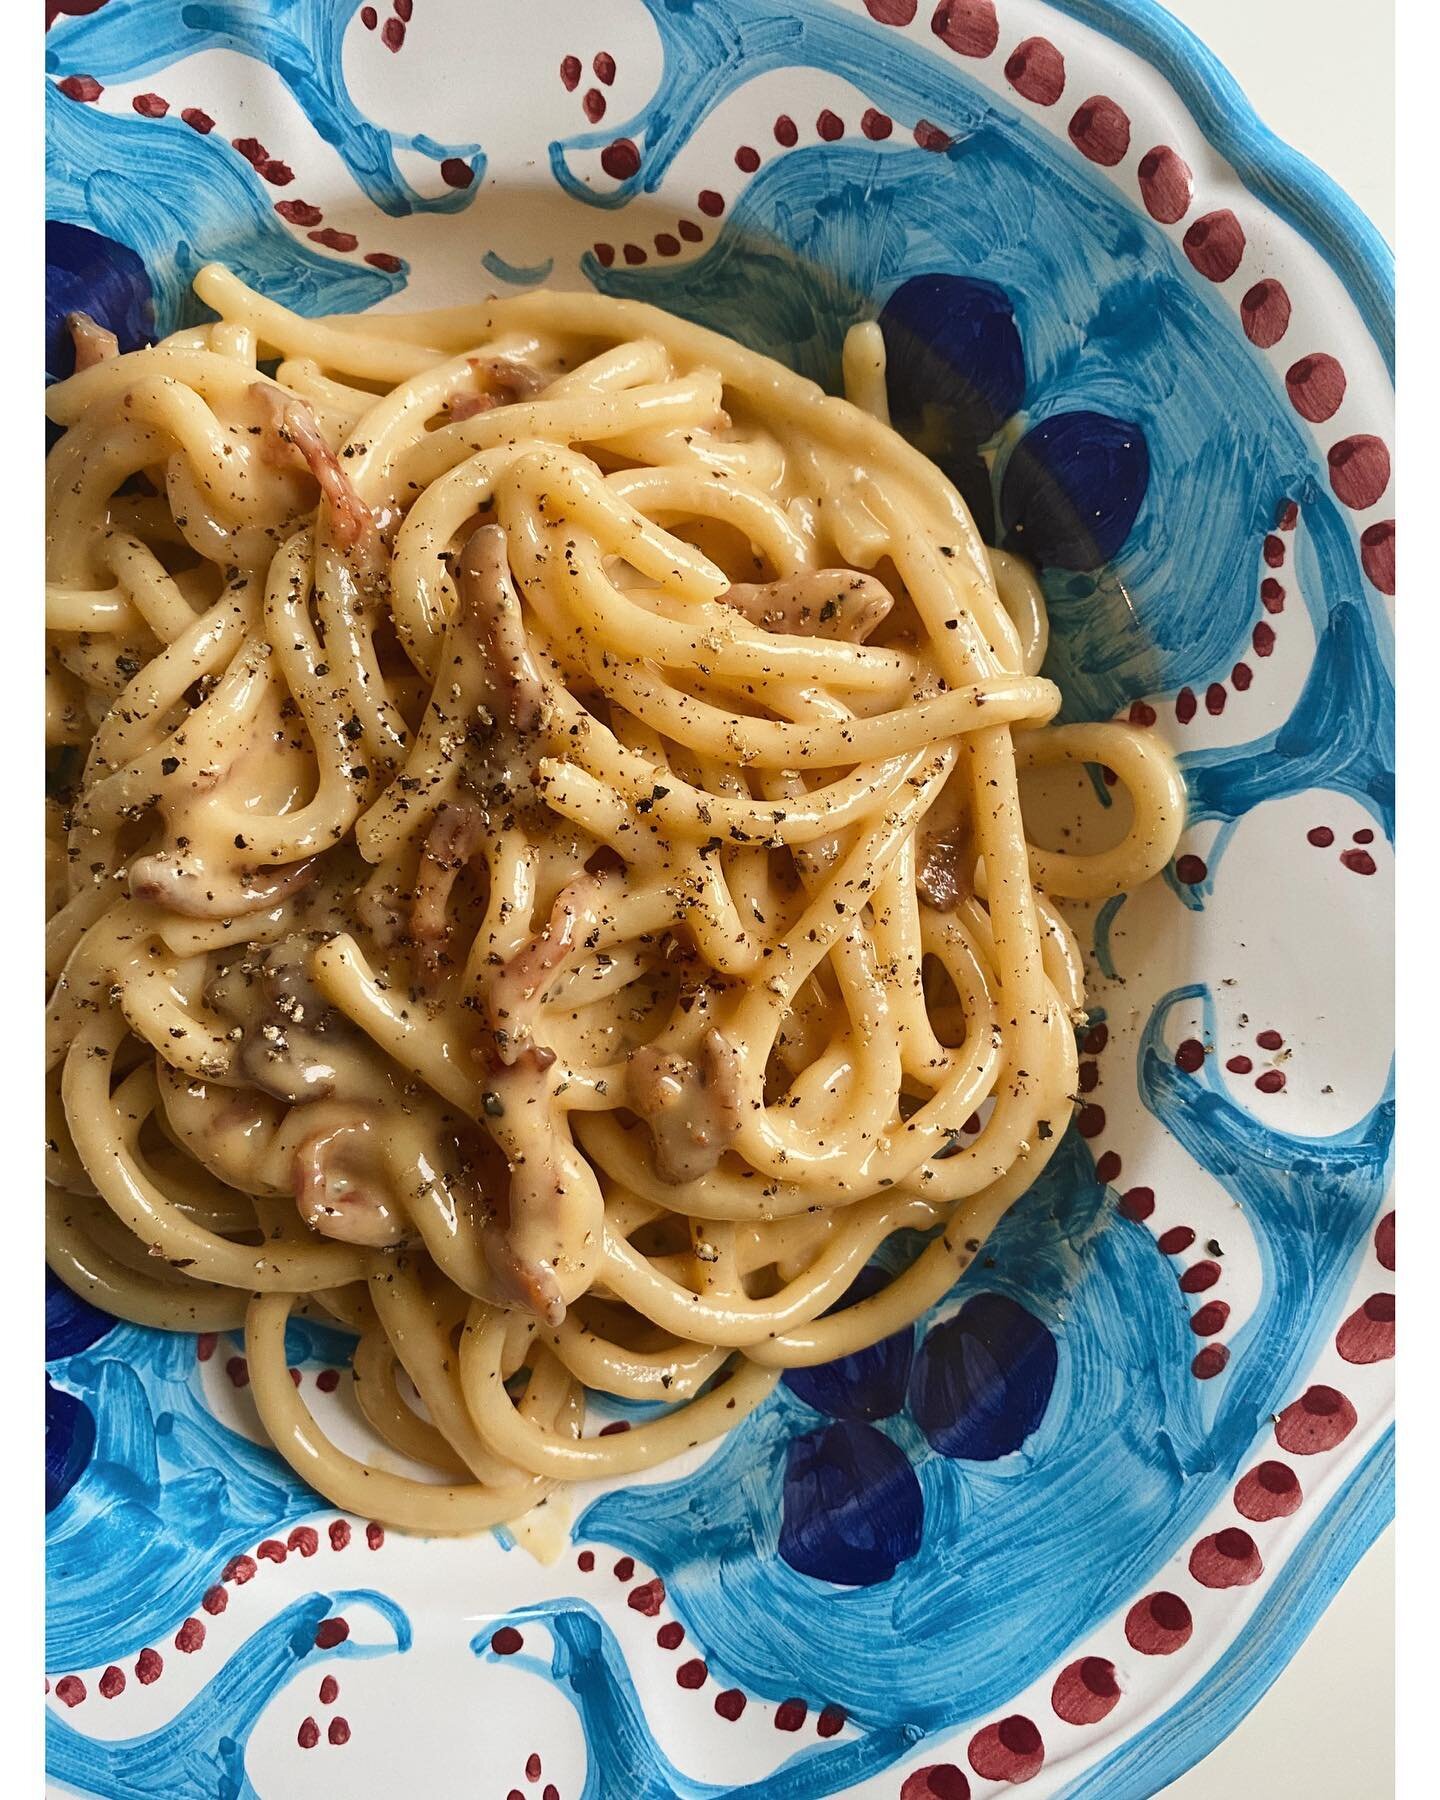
(539, 875)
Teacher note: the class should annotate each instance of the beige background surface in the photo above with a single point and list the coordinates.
(1324, 1731)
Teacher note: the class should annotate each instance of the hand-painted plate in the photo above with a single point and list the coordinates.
(1098, 1498)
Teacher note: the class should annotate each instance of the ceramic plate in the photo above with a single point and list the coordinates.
(1156, 1425)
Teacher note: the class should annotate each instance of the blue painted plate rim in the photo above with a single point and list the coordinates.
(1280, 176)
(1332, 223)
(1315, 205)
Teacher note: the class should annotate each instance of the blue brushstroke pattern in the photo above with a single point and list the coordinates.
(625, 1762)
(1112, 324)
(299, 39)
(200, 1753)
(1021, 1555)
(1018, 1557)
(180, 200)
(1312, 1576)
(168, 1494)
(518, 274)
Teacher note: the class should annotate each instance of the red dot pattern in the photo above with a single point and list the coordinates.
(1316, 386)
(1010, 1750)
(1100, 130)
(1166, 184)
(1271, 1490)
(1368, 1335)
(1377, 555)
(1265, 314)
(620, 159)
(647, 1598)
(937, 1781)
(1138, 1203)
(1359, 470)
(1215, 244)
(1036, 71)
(1226, 1559)
(1319, 1420)
(1085, 1691)
(968, 27)
(1158, 1625)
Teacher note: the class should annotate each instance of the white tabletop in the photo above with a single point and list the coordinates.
(1324, 1729)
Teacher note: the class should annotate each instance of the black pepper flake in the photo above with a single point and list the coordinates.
(169, 764)
(492, 1105)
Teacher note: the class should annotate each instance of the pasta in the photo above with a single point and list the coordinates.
(539, 875)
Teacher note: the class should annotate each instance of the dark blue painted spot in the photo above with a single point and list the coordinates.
(852, 1510)
(71, 1323)
(983, 1379)
(69, 1442)
(871, 1383)
(1072, 490)
(955, 371)
(86, 272)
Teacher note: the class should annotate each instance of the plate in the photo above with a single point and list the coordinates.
(1117, 1474)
